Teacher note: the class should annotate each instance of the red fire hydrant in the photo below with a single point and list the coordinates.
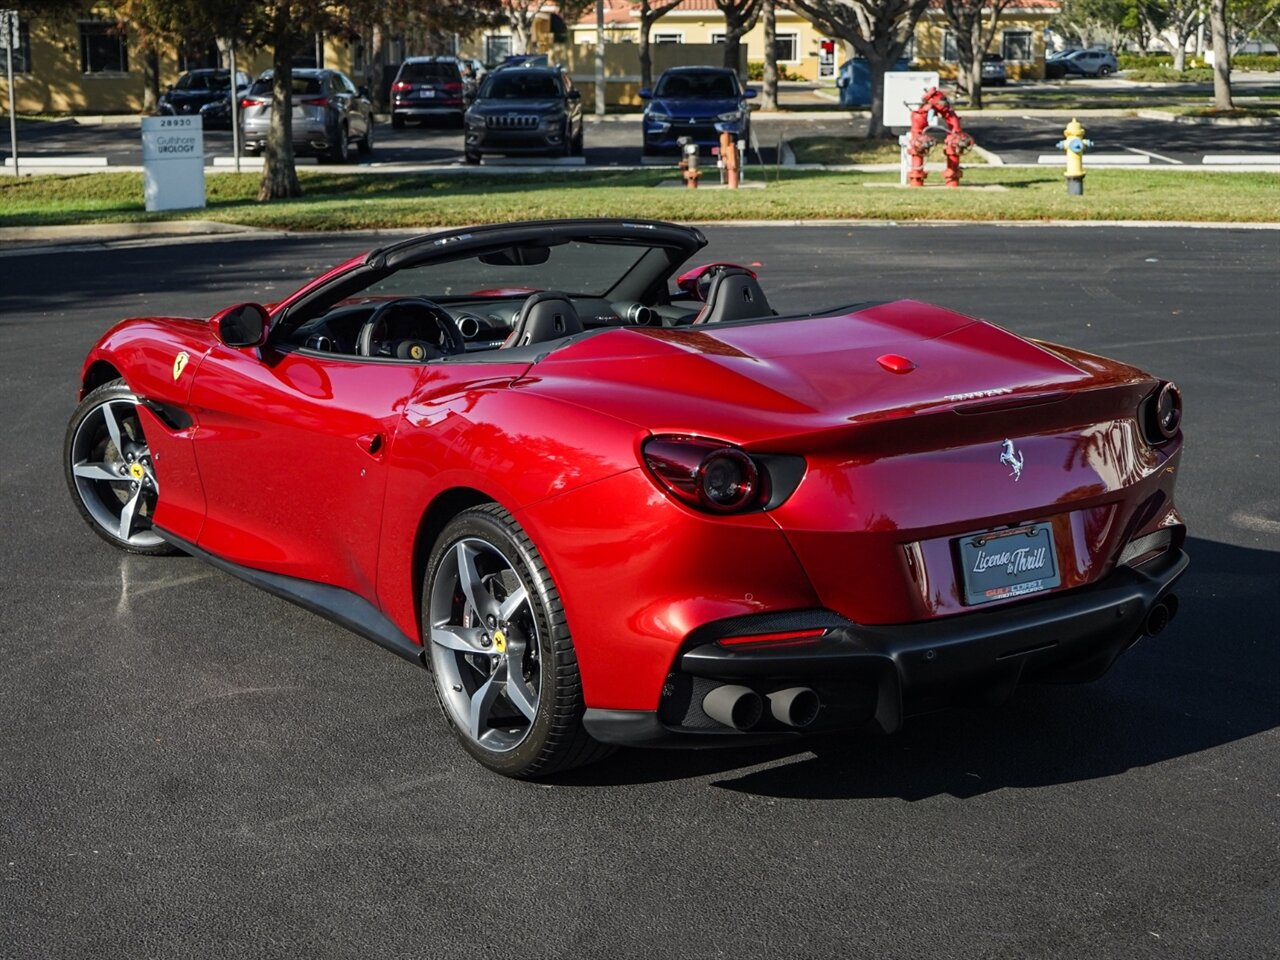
(934, 111)
(729, 158)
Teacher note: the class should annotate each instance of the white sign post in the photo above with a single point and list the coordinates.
(9, 40)
(173, 162)
(904, 90)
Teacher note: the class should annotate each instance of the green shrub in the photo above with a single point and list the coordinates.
(1257, 61)
(1137, 61)
(755, 71)
(1169, 75)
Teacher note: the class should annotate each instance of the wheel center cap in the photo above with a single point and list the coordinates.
(137, 470)
(499, 641)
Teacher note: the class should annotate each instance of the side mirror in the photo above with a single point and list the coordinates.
(646, 93)
(749, 93)
(363, 91)
(244, 325)
(574, 94)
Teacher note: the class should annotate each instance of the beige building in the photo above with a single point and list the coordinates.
(1019, 38)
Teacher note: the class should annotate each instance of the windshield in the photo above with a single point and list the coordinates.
(577, 268)
(519, 85)
(262, 86)
(204, 81)
(697, 86)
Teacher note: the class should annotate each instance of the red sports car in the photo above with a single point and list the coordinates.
(604, 504)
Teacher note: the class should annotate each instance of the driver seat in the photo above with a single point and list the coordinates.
(734, 294)
(545, 315)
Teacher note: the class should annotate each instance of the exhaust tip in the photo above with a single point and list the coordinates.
(734, 706)
(794, 706)
(1157, 619)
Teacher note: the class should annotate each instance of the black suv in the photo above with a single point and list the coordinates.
(428, 87)
(198, 89)
(529, 110)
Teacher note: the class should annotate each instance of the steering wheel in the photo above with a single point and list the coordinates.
(441, 338)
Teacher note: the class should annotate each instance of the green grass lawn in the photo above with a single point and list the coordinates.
(338, 201)
(850, 150)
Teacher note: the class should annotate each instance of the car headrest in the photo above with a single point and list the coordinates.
(545, 315)
(734, 295)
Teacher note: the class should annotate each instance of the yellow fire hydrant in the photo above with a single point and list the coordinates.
(1075, 145)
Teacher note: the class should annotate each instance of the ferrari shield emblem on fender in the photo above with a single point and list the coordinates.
(180, 364)
(1012, 459)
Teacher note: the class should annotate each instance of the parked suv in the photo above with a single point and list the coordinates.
(198, 89)
(694, 102)
(994, 73)
(428, 87)
(529, 110)
(329, 113)
(1082, 63)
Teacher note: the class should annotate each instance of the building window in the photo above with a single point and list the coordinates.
(717, 37)
(668, 38)
(786, 47)
(497, 47)
(1016, 45)
(950, 52)
(102, 47)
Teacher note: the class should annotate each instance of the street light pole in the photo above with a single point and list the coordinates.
(235, 109)
(9, 21)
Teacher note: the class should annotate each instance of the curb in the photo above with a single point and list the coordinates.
(1209, 121)
(105, 232)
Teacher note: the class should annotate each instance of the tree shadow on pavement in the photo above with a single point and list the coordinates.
(1213, 677)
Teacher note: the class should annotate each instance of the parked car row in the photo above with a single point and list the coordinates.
(521, 107)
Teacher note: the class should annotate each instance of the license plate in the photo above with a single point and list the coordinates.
(1002, 564)
(429, 92)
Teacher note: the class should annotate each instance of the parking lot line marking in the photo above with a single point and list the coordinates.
(1216, 336)
(1157, 156)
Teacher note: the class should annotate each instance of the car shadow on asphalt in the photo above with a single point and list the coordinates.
(1213, 677)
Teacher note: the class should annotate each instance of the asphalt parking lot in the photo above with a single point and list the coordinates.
(192, 768)
(615, 141)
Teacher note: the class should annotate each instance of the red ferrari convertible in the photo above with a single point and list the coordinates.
(605, 504)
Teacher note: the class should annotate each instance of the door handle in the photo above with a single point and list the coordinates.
(372, 444)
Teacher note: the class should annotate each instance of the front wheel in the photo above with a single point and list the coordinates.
(108, 466)
(1104, 71)
(503, 662)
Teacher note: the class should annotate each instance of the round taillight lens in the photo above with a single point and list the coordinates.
(707, 474)
(1168, 410)
(727, 480)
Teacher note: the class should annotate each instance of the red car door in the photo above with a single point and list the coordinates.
(291, 448)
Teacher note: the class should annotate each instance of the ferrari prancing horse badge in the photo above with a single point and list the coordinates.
(179, 364)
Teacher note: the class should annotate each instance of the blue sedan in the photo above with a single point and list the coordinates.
(696, 102)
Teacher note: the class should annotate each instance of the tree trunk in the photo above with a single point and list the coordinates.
(877, 130)
(769, 95)
(1221, 56)
(977, 50)
(1180, 56)
(150, 80)
(279, 174)
(523, 33)
(732, 45)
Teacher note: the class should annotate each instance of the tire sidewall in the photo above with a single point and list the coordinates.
(545, 605)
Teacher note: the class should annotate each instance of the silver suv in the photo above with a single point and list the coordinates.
(329, 115)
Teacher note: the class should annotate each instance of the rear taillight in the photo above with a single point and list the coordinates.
(707, 474)
(401, 86)
(1161, 414)
(315, 101)
(452, 88)
(248, 102)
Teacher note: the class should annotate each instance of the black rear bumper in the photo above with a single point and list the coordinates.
(884, 673)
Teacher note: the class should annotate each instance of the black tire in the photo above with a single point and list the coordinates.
(397, 121)
(1104, 71)
(528, 635)
(340, 152)
(109, 476)
(365, 143)
(471, 156)
(576, 148)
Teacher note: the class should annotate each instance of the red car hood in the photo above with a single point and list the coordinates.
(754, 382)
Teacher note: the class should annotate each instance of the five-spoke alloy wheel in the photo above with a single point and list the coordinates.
(499, 648)
(110, 470)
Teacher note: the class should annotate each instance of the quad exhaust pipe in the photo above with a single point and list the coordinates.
(742, 708)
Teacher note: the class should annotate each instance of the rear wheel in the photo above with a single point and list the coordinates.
(500, 652)
(365, 143)
(1104, 71)
(576, 148)
(108, 467)
(397, 121)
